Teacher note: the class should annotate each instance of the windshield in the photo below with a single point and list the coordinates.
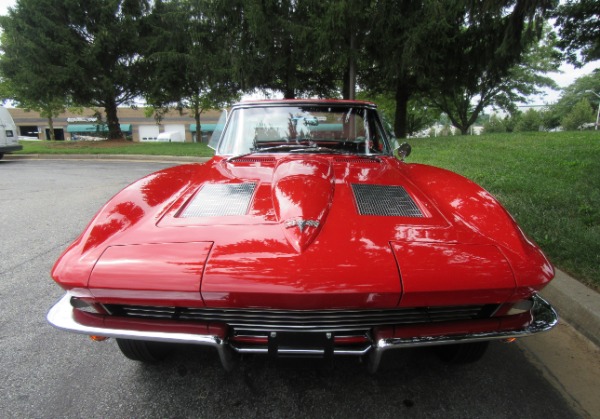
(310, 128)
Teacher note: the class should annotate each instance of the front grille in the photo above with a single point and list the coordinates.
(306, 320)
(387, 200)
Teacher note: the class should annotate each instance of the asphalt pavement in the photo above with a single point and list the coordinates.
(68, 377)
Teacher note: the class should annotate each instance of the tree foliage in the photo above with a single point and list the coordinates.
(32, 78)
(504, 62)
(494, 125)
(581, 114)
(187, 59)
(68, 49)
(530, 121)
(457, 57)
(571, 95)
(461, 55)
(579, 28)
(398, 50)
(276, 47)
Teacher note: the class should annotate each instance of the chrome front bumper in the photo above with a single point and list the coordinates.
(540, 318)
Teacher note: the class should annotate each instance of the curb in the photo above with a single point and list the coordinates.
(119, 157)
(577, 304)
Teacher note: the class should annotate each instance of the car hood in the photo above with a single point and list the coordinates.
(296, 231)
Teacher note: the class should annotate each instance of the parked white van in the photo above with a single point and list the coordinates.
(9, 140)
(172, 136)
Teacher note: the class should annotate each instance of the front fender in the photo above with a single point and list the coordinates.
(141, 203)
(465, 203)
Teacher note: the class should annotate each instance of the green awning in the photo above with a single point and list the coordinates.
(94, 128)
(203, 127)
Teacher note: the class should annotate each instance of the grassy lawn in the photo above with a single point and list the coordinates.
(115, 147)
(550, 182)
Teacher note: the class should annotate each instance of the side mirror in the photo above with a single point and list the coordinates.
(403, 150)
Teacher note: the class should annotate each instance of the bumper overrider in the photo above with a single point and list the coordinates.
(539, 317)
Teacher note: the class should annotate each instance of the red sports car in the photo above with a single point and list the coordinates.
(304, 236)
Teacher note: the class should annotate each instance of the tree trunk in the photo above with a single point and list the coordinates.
(352, 69)
(198, 126)
(289, 93)
(402, 96)
(112, 120)
(51, 129)
(345, 84)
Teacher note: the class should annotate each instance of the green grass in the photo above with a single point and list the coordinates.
(115, 147)
(550, 182)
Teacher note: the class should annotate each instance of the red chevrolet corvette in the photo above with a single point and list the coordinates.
(303, 236)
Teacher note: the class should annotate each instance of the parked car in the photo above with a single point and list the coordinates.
(9, 141)
(305, 235)
(171, 136)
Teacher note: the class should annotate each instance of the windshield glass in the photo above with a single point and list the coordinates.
(310, 128)
(216, 135)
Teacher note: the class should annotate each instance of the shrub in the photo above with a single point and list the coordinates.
(530, 121)
(494, 124)
(581, 113)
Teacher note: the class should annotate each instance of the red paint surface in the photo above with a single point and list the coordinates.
(465, 250)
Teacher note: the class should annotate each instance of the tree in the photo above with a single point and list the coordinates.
(105, 64)
(276, 46)
(396, 53)
(84, 50)
(579, 29)
(419, 115)
(451, 52)
(32, 78)
(581, 113)
(572, 94)
(530, 121)
(187, 58)
(500, 68)
(494, 125)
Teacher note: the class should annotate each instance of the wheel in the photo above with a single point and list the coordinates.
(462, 353)
(144, 351)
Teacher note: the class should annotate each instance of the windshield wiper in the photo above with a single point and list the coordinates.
(316, 148)
(280, 147)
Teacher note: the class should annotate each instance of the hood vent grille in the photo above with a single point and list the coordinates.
(384, 200)
(217, 200)
(253, 160)
(355, 159)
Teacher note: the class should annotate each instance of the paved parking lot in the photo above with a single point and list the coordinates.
(47, 373)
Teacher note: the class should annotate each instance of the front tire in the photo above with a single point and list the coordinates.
(144, 351)
(462, 353)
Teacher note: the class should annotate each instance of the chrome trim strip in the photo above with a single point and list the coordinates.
(61, 317)
(544, 319)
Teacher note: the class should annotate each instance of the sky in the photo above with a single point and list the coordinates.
(563, 79)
